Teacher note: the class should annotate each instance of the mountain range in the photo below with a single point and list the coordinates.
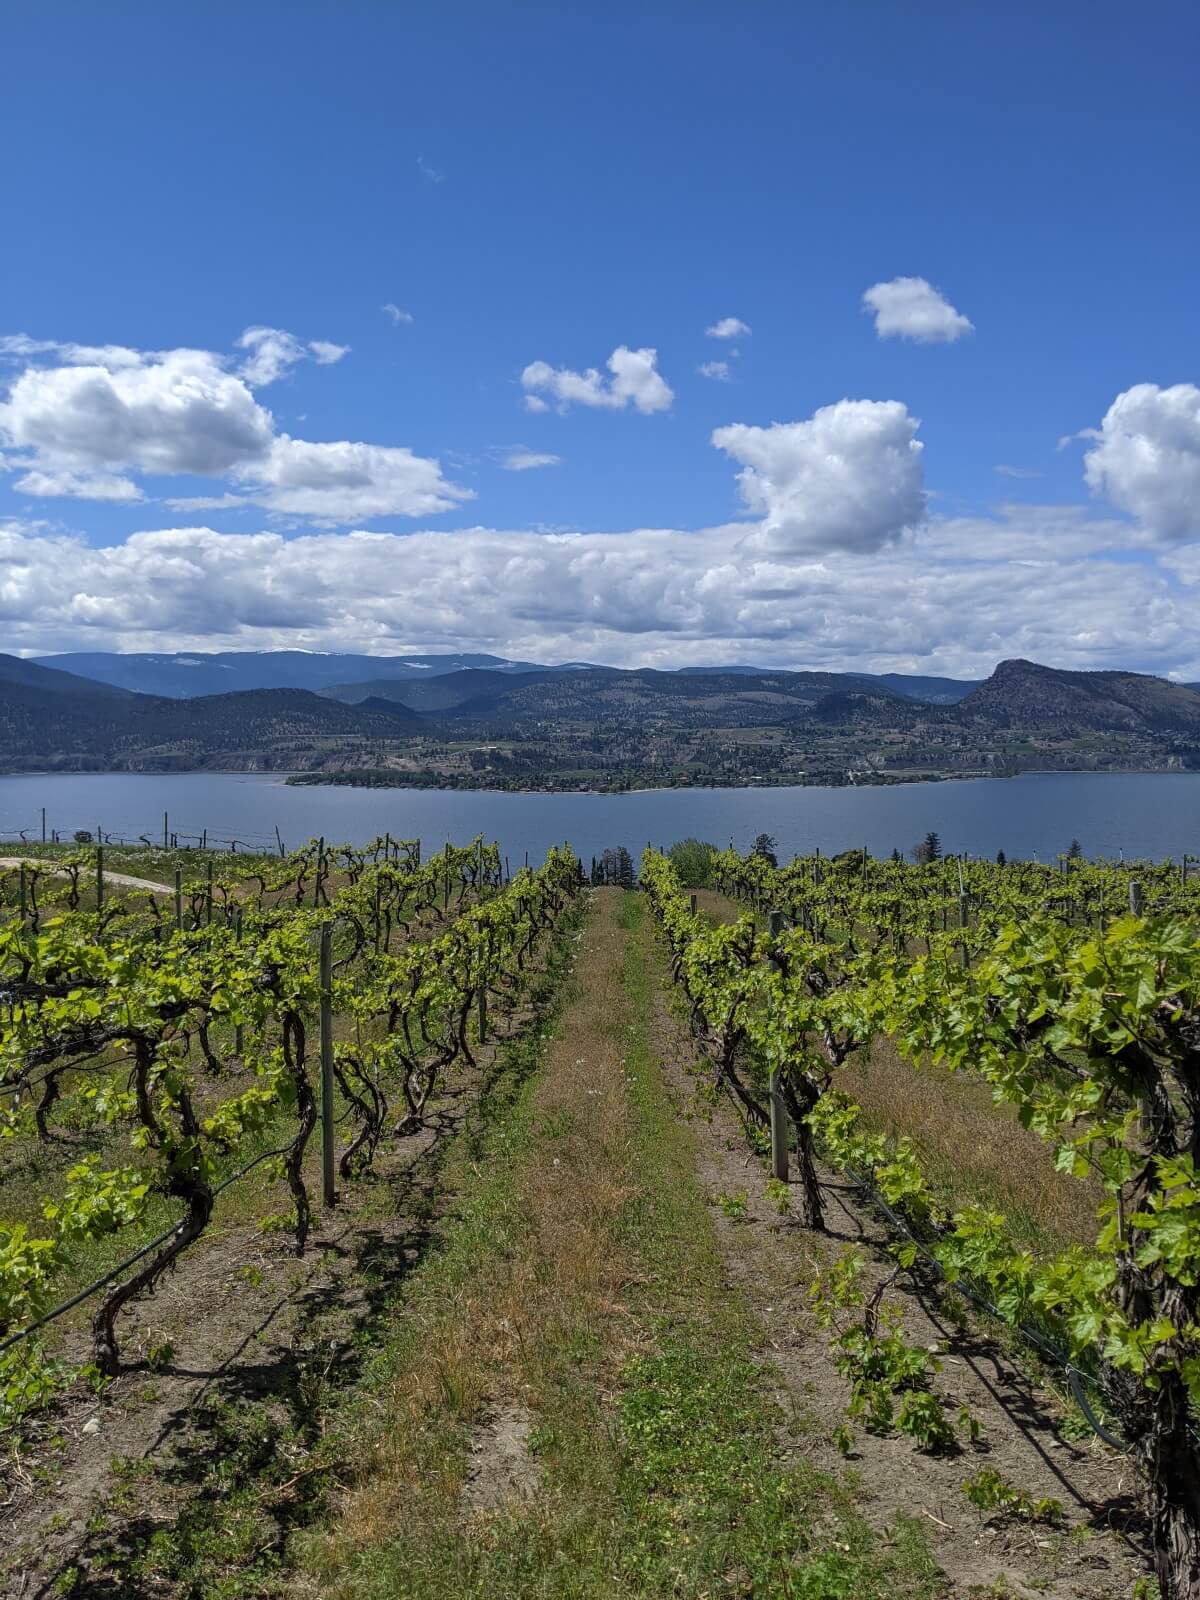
(483, 719)
(182, 675)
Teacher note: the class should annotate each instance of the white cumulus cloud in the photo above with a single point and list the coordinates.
(325, 352)
(345, 482)
(729, 328)
(79, 486)
(635, 380)
(848, 478)
(19, 346)
(911, 308)
(1146, 457)
(395, 313)
(274, 352)
(206, 502)
(176, 412)
(520, 460)
(80, 426)
(718, 371)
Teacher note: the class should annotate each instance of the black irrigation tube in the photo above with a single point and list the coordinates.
(131, 1261)
(1076, 1376)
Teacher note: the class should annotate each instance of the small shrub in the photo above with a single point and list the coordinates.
(692, 860)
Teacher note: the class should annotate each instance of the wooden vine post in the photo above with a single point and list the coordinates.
(99, 877)
(328, 1192)
(179, 899)
(239, 1032)
(778, 1109)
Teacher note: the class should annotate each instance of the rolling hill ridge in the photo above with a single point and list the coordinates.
(519, 726)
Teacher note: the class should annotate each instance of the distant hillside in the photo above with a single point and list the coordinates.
(108, 729)
(934, 691)
(645, 698)
(446, 691)
(353, 678)
(1023, 694)
(18, 674)
(691, 693)
(581, 725)
(186, 674)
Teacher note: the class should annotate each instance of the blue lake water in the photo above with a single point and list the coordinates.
(1143, 814)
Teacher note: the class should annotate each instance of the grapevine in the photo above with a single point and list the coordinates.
(186, 1041)
(1080, 1014)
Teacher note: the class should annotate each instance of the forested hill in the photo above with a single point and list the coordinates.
(16, 674)
(607, 696)
(1023, 694)
(95, 728)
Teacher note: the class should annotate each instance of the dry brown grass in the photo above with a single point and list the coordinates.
(719, 906)
(974, 1149)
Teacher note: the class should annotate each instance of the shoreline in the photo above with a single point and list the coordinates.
(288, 778)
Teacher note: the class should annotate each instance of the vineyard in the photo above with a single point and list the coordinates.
(1077, 999)
(177, 1029)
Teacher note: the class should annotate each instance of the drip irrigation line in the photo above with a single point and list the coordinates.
(131, 1261)
(1076, 1376)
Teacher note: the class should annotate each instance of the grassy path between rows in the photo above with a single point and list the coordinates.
(569, 1403)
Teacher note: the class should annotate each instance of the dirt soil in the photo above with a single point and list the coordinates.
(772, 1261)
(242, 1319)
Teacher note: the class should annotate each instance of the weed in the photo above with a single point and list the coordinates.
(988, 1491)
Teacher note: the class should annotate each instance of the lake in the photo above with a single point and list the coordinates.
(1143, 814)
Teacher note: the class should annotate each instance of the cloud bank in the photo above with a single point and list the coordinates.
(951, 596)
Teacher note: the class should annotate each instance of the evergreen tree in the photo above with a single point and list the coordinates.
(764, 846)
(1001, 858)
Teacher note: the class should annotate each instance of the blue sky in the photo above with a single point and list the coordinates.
(550, 184)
